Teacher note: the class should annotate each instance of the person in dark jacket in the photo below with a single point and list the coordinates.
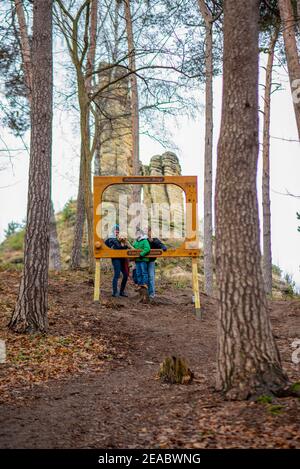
(155, 243)
(120, 265)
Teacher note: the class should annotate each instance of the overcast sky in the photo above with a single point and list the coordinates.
(188, 136)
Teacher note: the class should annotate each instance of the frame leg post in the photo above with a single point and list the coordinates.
(97, 281)
(196, 286)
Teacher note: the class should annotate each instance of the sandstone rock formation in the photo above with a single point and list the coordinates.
(114, 155)
(114, 149)
(170, 198)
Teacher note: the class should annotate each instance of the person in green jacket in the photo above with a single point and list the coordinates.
(141, 262)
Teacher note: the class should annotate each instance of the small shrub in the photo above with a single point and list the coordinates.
(15, 241)
(68, 212)
(276, 270)
(12, 228)
(290, 289)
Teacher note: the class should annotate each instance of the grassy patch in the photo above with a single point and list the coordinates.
(267, 401)
(68, 213)
(264, 399)
(10, 267)
(296, 387)
(14, 242)
(181, 284)
(276, 409)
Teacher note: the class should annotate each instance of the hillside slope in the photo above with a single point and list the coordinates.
(97, 367)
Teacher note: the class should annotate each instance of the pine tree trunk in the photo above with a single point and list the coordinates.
(134, 100)
(25, 47)
(248, 362)
(54, 254)
(292, 56)
(54, 259)
(208, 181)
(30, 312)
(79, 223)
(267, 246)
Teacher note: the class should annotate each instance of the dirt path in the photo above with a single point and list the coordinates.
(125, 406)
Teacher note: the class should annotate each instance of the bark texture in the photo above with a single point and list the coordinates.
(208, 180)
(92, 45)
(79, 223)
(291, 52)
(85, 107)
(30, 312)
(25, 47)
(86, 175)
(27, 69)
(97, 157)
(175, 370)
(267, 246)
(54, 254)
(248, 362)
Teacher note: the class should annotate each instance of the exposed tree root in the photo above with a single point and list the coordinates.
(271, 383)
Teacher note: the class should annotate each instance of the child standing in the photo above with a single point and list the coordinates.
(143, 245)
(155, 243)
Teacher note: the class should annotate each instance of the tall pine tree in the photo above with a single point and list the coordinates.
(30, 312)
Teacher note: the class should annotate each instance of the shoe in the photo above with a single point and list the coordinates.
(123, 294)
(115, 295)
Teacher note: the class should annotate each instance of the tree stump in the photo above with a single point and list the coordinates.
(175, 370)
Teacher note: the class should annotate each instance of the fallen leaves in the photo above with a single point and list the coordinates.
(33, 359)
(70, 349)
(84, 337)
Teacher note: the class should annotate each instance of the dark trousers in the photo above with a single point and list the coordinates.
(119, 265)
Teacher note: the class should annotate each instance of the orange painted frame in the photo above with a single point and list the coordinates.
(190, 246)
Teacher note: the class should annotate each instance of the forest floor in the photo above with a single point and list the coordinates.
(92, 382)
